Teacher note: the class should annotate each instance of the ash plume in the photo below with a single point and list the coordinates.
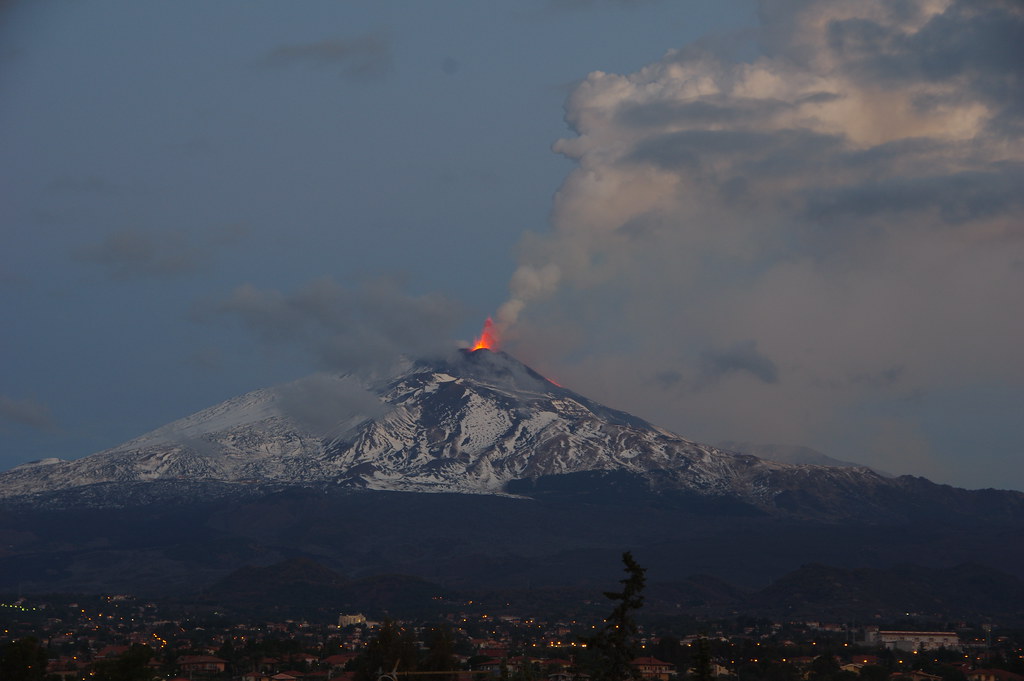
(846, 202)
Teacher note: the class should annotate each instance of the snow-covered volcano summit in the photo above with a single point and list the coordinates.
(472, 422)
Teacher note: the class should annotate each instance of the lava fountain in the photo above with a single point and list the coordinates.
(488, 339)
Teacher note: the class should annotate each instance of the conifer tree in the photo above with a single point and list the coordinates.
(702, 661)
(440, 655)
(393, 648)
(615, 644)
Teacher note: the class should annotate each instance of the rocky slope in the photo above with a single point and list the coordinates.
(472, 423)
(469, 471)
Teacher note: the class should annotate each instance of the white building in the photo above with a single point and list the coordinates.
(914, 640)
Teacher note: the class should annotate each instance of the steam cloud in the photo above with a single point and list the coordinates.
(346, 329)
(26, 412)
(325, 405)
(139, 252)
(799, 247)
(134, 253)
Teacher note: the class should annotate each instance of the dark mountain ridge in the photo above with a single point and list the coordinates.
(300, 587)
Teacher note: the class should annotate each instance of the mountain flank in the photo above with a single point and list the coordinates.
(300, 587)
(470, 471)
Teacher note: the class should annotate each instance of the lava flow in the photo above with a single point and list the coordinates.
(488, 339)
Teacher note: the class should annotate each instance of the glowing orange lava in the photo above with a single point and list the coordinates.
(488, 339)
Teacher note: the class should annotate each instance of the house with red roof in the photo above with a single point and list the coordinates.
(201, 664)
(338, 660)
(653, 668)
(290, 675)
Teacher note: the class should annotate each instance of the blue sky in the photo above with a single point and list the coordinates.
(773, 222)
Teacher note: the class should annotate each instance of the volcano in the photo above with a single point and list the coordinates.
(476, 422)
(481, 470)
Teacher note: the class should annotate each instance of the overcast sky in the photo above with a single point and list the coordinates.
(780, 222)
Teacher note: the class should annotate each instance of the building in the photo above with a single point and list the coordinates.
(201, 664)
(349, 620)
(653, 668)
(915, 640)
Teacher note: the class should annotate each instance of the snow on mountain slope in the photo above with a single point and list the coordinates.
(251, 438)
(470, 423)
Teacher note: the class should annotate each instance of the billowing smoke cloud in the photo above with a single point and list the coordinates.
(362, 328)
(326, 405)
(798, 248)
(743, 357)
(137, 252)
(26, 412)
(132, 253)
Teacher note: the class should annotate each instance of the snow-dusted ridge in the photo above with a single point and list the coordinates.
(49, 461)
(470, 423)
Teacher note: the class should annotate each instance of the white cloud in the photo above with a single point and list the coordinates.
(832, 225)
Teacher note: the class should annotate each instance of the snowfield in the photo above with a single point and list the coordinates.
(470, 423)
